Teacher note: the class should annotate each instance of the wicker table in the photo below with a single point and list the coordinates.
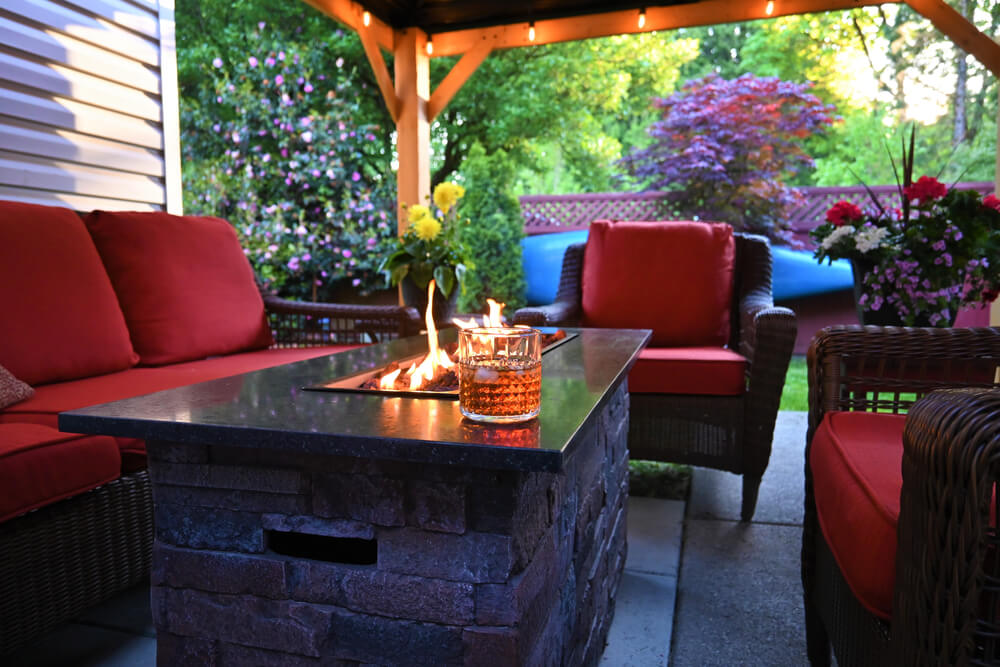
(296, 527)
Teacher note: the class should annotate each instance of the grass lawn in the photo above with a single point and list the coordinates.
(796, 393)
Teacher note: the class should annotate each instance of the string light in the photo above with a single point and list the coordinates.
(531, 31)
(642, 17)
(769, 9)
(366, 18)
(430, 45)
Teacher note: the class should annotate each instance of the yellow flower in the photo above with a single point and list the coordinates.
(426, 228)
(446, 194)
(418, 212)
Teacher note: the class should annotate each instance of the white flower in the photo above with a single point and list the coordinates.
(870, 238)
(836, 235)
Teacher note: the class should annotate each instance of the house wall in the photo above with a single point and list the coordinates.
(88, 104)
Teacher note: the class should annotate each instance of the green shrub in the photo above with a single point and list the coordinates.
(494, 233)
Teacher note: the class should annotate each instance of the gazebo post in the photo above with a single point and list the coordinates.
(413, 138)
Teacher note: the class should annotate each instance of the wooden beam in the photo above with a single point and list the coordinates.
(377, 62)
(458, 75)
(960, 31)
(351, 14)
(708, 12)
(413, 130)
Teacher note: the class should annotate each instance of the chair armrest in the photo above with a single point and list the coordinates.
(946, 601)
(303, 323)
(887, 369)
(566, 309)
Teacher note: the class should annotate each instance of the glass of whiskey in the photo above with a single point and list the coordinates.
(499, 374)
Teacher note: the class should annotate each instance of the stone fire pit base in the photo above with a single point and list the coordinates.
(269, 557)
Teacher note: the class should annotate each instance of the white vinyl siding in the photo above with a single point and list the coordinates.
(88, 104)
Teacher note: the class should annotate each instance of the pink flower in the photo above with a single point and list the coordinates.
(843, 212)
(925, 189)
(992, 201)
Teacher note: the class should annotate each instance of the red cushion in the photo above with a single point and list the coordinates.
(185, 286)
(675, 278)
(713, 371)
(856, 462)
(39, 465)
(61, 318)
(49, 400)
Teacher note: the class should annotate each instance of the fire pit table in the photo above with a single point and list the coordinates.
(298, 527)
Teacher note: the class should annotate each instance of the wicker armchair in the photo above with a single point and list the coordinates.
(732, 433)
(946, 595)
(59, 560)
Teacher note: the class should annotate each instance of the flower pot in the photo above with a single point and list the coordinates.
(886, 316)
(444, 308)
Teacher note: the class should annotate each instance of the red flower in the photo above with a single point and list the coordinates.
(843, 212)
(925, 189)
(992, 201)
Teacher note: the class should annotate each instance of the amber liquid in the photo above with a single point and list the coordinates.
(500, 389)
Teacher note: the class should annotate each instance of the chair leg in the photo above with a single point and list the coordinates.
(751, 485)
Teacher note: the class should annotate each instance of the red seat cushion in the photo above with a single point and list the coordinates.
(856, 462)
(183, 282)
(61, 319)
(713, 371)
(39, 465)
(675, 278)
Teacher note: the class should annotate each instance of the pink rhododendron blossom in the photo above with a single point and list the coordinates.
(926, 189)
(843, 212)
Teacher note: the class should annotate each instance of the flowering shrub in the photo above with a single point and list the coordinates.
(432, 246)
(273, 147)
(727, 147)
(924, 259)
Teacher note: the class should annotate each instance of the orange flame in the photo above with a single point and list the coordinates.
(436, 358)
(388, 381)
(493, 319)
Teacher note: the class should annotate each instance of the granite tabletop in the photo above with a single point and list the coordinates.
(271, 409)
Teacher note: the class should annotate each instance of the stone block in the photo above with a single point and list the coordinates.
(249, 501)
(311, 525)
(219, 572)
(169, 452)
(373, 499)
(289, 627)
(505, 604)
(472, 557)
(235, 654)
(205, 528)
(491, 646)
(387, 641)
(435, 506)
(492, 501)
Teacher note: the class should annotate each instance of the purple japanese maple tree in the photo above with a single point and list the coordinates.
(725, 147)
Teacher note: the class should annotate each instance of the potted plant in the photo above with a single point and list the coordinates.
(431, 247)
(918, 263)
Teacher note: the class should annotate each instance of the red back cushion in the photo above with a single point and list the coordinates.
(185, 286)
(61, 320)
(675, 278)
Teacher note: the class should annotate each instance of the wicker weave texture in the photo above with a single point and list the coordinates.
(721, 432)
(305, 324)
(61, 559)
(946, 588)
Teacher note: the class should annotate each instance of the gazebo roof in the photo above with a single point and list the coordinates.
(435, 16)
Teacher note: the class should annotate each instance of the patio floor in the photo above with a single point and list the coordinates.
(700, 588)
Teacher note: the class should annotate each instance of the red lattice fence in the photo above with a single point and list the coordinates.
(544, 214)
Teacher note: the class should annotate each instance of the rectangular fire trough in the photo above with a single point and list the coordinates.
(310, 527)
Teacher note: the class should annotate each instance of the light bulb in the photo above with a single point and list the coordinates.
(769, 8)
(531, 31)
(642, 18)
(366, 18)
(430, 45)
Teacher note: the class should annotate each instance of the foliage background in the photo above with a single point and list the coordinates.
(552, 119)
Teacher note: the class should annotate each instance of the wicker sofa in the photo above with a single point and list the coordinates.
(707, 389)
(899, 552)
(76, 511)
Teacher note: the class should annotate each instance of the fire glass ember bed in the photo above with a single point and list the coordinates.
(367, 381)
(299, 527)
